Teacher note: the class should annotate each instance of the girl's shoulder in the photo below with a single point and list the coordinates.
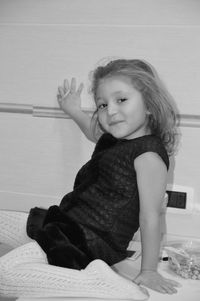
(133, 147)
(149, 143)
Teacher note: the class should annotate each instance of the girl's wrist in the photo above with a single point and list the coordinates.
(72, 111)
(148, 270)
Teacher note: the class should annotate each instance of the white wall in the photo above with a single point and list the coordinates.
(45, 41)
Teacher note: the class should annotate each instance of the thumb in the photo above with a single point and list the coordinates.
(137, 279)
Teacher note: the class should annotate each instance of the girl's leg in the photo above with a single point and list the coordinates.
(24, 272)
(13, 228)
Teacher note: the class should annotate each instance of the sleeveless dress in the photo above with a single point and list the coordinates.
(99, 217)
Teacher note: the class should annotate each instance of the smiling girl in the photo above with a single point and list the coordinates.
(122, 187)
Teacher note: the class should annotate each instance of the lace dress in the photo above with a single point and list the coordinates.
(100, 216)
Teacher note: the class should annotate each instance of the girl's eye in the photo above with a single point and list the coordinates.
(121, 100)
(102, 106)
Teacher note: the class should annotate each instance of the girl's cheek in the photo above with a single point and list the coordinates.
(100, 121)
(100, 115)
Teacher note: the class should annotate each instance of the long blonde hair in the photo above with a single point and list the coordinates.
(163, 113)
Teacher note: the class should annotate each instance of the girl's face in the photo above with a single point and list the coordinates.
(120, 108)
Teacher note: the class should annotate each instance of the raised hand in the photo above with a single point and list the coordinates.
(69, 97)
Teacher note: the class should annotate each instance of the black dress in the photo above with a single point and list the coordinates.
(100, 216)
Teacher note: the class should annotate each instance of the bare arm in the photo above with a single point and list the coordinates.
(151, 178)
(69, 99)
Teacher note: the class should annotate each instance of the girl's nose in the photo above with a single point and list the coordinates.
(112, 109)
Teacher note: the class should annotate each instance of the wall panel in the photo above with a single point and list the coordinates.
(38, 157)
(126, 12)
(36, 59)
(43, 42)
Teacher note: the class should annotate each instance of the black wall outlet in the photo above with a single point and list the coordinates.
(177, 199)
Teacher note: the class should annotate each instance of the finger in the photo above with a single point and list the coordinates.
(173, 282)
(159, 289)
(66, 85)
(136, 281)
(61, 91)
(80, 89)
(168, 286)
(169, 289)
(73, 85)
(59, 97)
(144, 290)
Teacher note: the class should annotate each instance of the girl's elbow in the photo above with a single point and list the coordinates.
(150, 219)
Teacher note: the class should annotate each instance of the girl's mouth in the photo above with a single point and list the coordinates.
(112, 123)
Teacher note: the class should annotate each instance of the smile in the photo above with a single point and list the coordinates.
(112, 123)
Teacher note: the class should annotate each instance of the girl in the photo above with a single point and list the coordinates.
(119, 190)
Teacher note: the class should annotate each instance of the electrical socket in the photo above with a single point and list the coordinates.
(180, 198)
